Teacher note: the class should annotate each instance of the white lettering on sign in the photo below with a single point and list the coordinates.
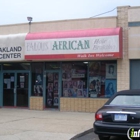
(37, 46)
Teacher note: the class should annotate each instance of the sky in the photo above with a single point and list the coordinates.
(17, 11)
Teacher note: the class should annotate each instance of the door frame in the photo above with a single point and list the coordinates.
(59, 85)
(15, 94)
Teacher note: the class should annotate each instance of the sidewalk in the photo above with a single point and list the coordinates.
(24, 124)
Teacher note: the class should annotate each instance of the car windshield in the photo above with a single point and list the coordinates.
(132, 100)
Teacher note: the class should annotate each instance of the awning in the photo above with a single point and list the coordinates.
(74, 45)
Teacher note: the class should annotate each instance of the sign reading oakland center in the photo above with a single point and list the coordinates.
(12, 47)
(10, 52)
(80, 47)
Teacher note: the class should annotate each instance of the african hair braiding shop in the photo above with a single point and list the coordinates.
(72, 65)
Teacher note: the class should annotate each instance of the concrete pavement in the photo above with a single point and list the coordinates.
(24, 124)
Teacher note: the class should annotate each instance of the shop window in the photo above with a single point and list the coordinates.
(52, 65)
(74, 79)
(16, 66)
(37, 79)
(102, 78)
(96, 79)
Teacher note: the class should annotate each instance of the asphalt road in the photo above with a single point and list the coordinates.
(90, 135)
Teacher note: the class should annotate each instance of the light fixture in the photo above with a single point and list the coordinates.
(85, 62)
(30, 20)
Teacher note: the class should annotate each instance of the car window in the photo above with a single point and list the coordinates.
(133, 100)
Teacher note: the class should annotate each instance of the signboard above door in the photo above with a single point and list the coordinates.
(76, 45)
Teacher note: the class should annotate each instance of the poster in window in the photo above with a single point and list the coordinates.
(74, 83)
(49, 102)
(56, 76)
(67, 92)
(102, 80)
(49, 95)
(80, 84)
(55, 101)
(55, 85)
(80, 93)
(39, 80)
(63, 76)
(67, 67)
(94, 68)
(85, 93)
(74, 92)
(50, 87)
(68, 76)
(38, 90)
(12, 78)
(22, 79)
(8, 83)
(94, 86)
(70, 84)
(50, 77)
(21, 85)
(110, 87)
(111, 71)
(65, 84)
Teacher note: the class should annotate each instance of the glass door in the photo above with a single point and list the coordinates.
(15, 89)
(22, 89)
(52, 89)
(8, 89)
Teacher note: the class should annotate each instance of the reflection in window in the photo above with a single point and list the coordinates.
(16, 66)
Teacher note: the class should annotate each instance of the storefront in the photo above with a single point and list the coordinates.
(73, 68)
(14, 72)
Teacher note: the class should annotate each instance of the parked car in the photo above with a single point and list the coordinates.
(119, 115)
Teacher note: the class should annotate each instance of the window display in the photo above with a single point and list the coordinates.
(100, 76)
(37, 79)
(52, 79)
(74, 79)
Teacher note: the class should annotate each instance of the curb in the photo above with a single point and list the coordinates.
(81, 134)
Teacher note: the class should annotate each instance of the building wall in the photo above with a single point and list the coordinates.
(78, 24)
(123, 74)
(134, 32)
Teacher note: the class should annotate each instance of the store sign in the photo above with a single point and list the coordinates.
(11, 47)
(72, 47)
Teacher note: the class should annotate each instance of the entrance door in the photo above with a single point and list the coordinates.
(52, 89)
(8, 89)
(15, 89)
(22, 89)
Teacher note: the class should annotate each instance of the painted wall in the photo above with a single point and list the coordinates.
(134, 14)
(77, 24)
(134, 43)
(134, 32)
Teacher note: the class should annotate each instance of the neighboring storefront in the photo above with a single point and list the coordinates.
(15, 74)
(134, 47)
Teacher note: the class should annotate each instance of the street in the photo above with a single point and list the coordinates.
(90, 135)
